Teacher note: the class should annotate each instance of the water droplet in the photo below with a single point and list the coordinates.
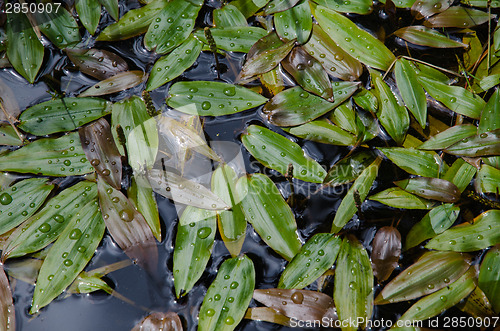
(44, 228)
(479, 237)
(230, 91)
(204, 232)
(321, 252)
(297, 298)
(126, 216)
(206, 105)
(106, 172)
(5, 198)
(58, 218)
(234, 285)
(352, 285)
(430, 286)
(226, 276)
(95, 162)
(115, 199)
(217, 297)
(443, 298)
(75, 234)
(452, 242)
(483, 135)
(210, 312)
(229, 320)
(67, 163)
(68, 263)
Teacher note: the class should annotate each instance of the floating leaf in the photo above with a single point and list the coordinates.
(98, 63)
(362, 7)
(228, 16)
(487, 143)
(59, 26)
(490, 116)
(228, 296)
(386, 252)
(267, 315)
(349, 168)
(449, 137)
(344, 117)
(488, 178)
(398, 198)
(431, 188)
(488, 279)
(286, 23)
(324, 132)
(423, 36)
(8, 102)
(269, 214)
(361, 186)
(193, 247)
(460, 174)
(249, 7)
(476, 304)
(159, 321)
(279, 5)
(234, 39)
(89, 13)
(61, 156)
(426, 8)
(414, 161)
(212, 98)
(436, 221)
(361, 44)
(141, 195)
(273, 81)
(117, 83)
(9, 137)
(366, 100)
(316, 256)
(433, 271)
(8, 311)
(459, 17)
(466, 237)
(69, 255)
(112, 8)
(353, 291)
(277, 152)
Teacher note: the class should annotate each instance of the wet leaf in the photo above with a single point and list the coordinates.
(476, 304)
(249, 7)
(489, 179)
(460, 174)
(174, 64)
(459, 17)
(60, 27)
(159, 321)
(98, 63)
(24, 50)
(487, 143)
(286, 23)
(212, 98)
(361, 186)
(474, 49)
(267, 315)
(449, 137)
(433, 271)
(431, 188)
(61, 156)
(455, 98)
(275, 6)
(316, 256)
(415, 162)
(466, 237)
(234, 39)
(8, 102)
(171, 26)
(89, 13)
(345, 117)
(324, 132)
(232, 223)
(362, 7)
(386, 250)
(490, 116)
(69, 255)
(273, 81)
(426, 8)
(193, 247)
(349, 168)
(361, 44)
(353, 291)
(398, 198)
(277, 152)
(8, 311)
(127, 226)
(436, 221)
(141, 195)
(337, 62)
(228, 16)
(112, 8)
(9, 137)
(232, 288)
(366, 100)
(489, 280)
(269, 214)
(117, 83)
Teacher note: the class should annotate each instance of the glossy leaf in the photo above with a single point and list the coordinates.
(9, 103)
(269, 214)
(365, 48)
(9, 137)
(316, 256)
(487, 143)
(476, 304)
(362, 7)
(488, 178)
(349, 168)
(228, 16)
(414, 161)
(412, 93)
(345, 117)
(431, 188)
(490, 116)
(277, 152)
(141, 195)
(489, 280)
(273, 81)
(234, 39)
(386, 251)
(159, 321)
(353, 291)
(324, 132)
(398, 198)
(24, 50)
(98, 63)
(249, 7)
(275, 6)
(266, 314)
(117, 83)
(366, 100)
(286, 23)
(89, 13)
(449, 137)
(436, 221)
(193, 247)
(69, 255)
(433, 271)
(8, 311)
(423, 36)
(466, 237)
(459, 17)
(232, 288)
(362, 186)
(60, 27)
(21, 200)
(460, 174)
(61, 156)
(112, 8)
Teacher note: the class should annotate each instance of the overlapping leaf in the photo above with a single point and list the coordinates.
(61, 28)
(488, 279)
(119, 82)
(449, 137)
(7, 310)
(98, 63)
(398, 198)
(324, 132)
(414, 161)
(386, 251)
(431, 188)
(423, 36)
(234, 39)
(159, 321)
(286, 23)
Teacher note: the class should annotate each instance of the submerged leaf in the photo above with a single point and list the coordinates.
(423, 36)
(98, 63)
(117, 83)
(386, 251)
(266, 314)
(142, 196)
(431, 188)
(8, 311)
(159, 321)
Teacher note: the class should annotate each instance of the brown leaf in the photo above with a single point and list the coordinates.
(117, 83)
(97, 63)
(267, 315)
(8, 312)
(431, 188)
(159, 321)
(99, 147)
(386, 252)
(426, 8)
(9, 103)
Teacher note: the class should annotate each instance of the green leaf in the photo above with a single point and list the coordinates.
(8, 315)
(24, 50)
(193, 247)
(361, 186)
(232, 288)
(487, 143)
(420, 35)
(89, 13)
(45, 226)
(428, 8)
(279, 5)
(466, 237)
(415, 162)
(362, 7)
(398, 198)
(449, 137)
(249, 7)
(460, 174)
(277, 152)
(412, 93)
(489, 280)
(8, 136)
(324, 132)
(234, 39)
(361, 44)
(433, 271)
(98, 63)
(174, 64)
(269, 214)
(141, 195)
(459, 17)
(117, 83)
(266, 314)
(489, 179)
(349, 168)
(431, 188)
(386, 251)
(228, 16)
(21, 200)
(455, 98)
(69, 255)
(366, 100)
(133, 23)
(212, 98)
(59, 26)
(61, 156)
(112, 8)
(436, 221)
(353, 291)
(490, 116)
(345, 117)
(316, 256)
(172, 26)
(294, 23)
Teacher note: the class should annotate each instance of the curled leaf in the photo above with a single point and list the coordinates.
(386, 251)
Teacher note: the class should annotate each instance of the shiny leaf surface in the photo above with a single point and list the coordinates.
(489, 280)
(488, 178)
(386, 251)
(460, 174)
(98, 63)
(159, 321)
(431, 188)
(89, 13)
(423, 36)
(61, 27)
(349, 168)
(459, 17)
(117, 83)
(141, 195)
(414, 161)
(234, 39)
(487, 143)
(324, 132)
(398, 198)
(228, 16)
(286, 23)
(7, 310)
(449, 137)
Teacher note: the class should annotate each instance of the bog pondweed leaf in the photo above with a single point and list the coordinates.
(112, 8)
(488, 179)
(117, 83)
(294, 23)
(172, 25)
(234, 39)
(228, 296)
(232, 223)
(275, 6)
(212, 98)
(249, 7)
(489, 280)
(141, 195)
(98, 63)
(449, 137)
(349, 168)
(160, 321)
(476, 304)
(89, 13)
(277, 152)
(228, 16)
(357, 42)
(431, 188)
(466, 237)
(9, 137)
(193, 247)
(266, 314)
(174, 64)
(436, 221)
(269, 214)
(366, 100)
(64, 114)
(8, 311)
(21, 200)
(345, 117)
(99, 147)
(273, 81)
(459, 17)
(60, 27)
(426, 8)
(433, 271)
(69, 255)
(414, 161)
(24, 50)
(45, 226)
(324, 132)
(316, 256)
(486, 143)
(353, 291)
(398, 198)
(61, 156)
(460, 173)
(423, 36)
(490, 116)
(386, 251)
(412, 93)
(337, 62)
(362, 7)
